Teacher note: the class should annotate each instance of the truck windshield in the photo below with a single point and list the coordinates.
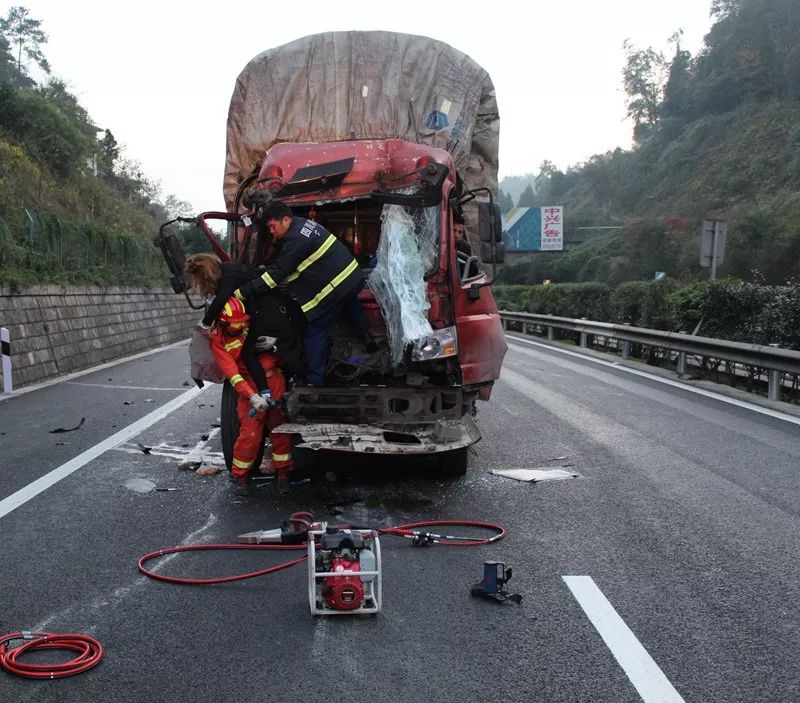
(407, 251)
(425, 223)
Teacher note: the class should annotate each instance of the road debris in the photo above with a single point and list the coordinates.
(208, 470)
(57, 430)
(139, 485)
(190, 464)
(543, 473)
(149, 400)
(165, 490)
(145, 449)
(127, 402)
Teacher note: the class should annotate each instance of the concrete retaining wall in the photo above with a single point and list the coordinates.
(59, 329)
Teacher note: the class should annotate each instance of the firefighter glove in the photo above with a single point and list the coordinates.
(265, 344)
(258, 403)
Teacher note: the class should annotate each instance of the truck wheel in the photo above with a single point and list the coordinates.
(453, 464)
(229, 426)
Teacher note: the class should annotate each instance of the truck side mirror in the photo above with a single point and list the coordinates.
(173, 254)
(499, 252)
(490, 223)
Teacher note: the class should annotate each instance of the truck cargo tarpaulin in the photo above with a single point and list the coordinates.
(364, 85)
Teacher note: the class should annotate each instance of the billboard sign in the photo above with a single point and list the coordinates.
(534, 229)
(553, 228)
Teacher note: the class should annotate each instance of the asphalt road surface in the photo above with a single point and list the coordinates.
(667, 571)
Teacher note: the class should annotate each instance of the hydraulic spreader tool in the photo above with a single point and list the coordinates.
(344, 561)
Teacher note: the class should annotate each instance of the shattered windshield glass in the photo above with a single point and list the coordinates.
(407, 251)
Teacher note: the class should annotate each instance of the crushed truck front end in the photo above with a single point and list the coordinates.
(414, 395)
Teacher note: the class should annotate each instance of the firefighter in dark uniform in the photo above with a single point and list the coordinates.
(321, 274)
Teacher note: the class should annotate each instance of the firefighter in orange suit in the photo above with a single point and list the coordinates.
(227, 342)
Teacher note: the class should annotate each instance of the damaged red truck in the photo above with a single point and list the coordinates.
(386, 177)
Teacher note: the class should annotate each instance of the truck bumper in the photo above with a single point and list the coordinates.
(443, 435)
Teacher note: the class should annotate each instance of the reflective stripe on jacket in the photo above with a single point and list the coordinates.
(318, 268)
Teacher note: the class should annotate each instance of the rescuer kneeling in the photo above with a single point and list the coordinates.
(254, 407)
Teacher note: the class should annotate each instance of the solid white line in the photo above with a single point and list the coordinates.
(23, 495)
(77, 374)
(645, 675)
(125, 388)
(668, 381)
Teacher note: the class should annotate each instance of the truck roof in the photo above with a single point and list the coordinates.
(353, 86)
(348, 169)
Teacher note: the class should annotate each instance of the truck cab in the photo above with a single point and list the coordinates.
(410, 396)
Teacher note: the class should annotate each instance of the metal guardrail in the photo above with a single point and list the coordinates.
(775, 360)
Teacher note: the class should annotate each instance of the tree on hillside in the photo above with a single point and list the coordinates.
(23, 33)
(677, 101)
(643, 78)
(722, 9)
(8, 67)
(505, 201)
(543, 182)
(108, 154)
(527, 198)
(56, 90)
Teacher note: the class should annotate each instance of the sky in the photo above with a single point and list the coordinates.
(159, 75)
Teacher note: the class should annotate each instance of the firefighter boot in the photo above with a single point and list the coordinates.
(242, 485)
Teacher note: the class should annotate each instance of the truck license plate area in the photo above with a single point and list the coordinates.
(375, 405)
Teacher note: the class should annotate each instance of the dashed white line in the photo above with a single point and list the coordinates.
(124, 388)
(23, 495)
(83, 372)
(645, 675)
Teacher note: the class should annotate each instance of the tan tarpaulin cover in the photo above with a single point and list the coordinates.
(364, 85)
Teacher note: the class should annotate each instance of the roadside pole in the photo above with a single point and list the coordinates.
(5, 341)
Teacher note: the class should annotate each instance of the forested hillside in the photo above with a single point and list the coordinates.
(72, 207)
(716, 135)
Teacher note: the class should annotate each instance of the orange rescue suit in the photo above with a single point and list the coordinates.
(227, 351)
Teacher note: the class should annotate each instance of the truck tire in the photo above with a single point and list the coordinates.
(229, 426)
(453, 464)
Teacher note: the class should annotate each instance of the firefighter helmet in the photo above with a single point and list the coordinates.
(233, 317)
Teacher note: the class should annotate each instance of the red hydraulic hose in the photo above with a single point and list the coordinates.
(408, 530)
(89, 650)
(218, 579)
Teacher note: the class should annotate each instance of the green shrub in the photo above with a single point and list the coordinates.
(589, 300)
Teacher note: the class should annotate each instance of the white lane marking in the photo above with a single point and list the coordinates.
(199, 452)
(125, 388)
(645, 675)
(122, 592)
(23, 495)
(77, 374)
(668, 381)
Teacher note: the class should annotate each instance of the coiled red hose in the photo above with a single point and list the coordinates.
(409, 530)
(89, 650)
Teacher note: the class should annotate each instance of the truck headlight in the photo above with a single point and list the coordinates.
(439, 344)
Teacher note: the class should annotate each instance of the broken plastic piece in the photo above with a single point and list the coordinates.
(204, 366)
(57, 430)
(532, 475)
(208, 470)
